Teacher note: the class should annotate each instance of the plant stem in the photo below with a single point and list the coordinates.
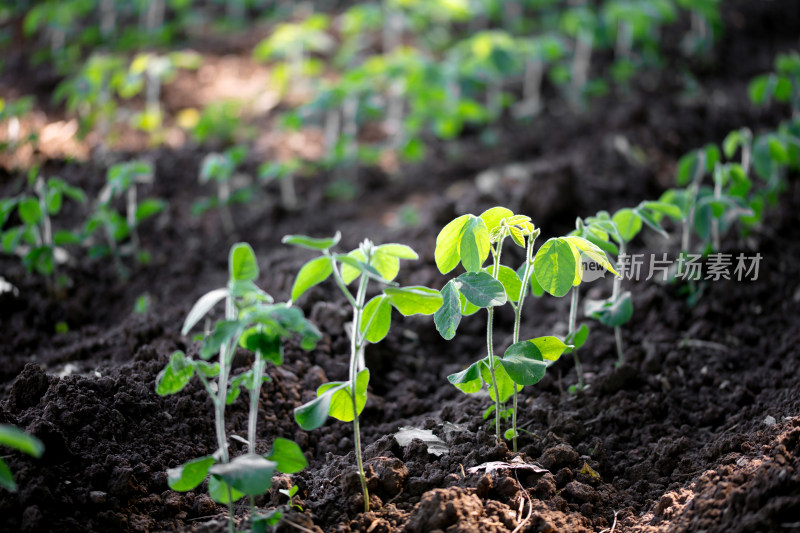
(356, 354)
(255, 392)
(490, 342)
(573, 319)
(688, 223)
(614, 294)
(715, 240)
(221, 399)
(526, 278)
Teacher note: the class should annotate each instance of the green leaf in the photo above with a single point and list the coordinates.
(190, 474)
(148, 208)
(592, 251)
(341, 404)
(175, 376)
(64, 237)
(577, 339)
(759, 89)
(53, 199)
(448, 316)
(448, 241)
(610, 312)
(505, 385)
(312, 273)
(474, 246)
(249, 474)
(555, 267)
(467, 308)
(401, 251)
(414, 300)
(492, 217)
(267, 343)
(628, 223)
(388, 266)
(350, 273)
(313, 414)
(30, 211)
(15, 438)
(550, 347)
(480, 289)
(7, 478)
(468, 380)
(224, 332)
(221, 492)
(512, 284)
(376, 319)
(243, 265)
(651, 222)
(350, 260)
(202, 307)
(524, 363)
(288, 456)
(311, 243)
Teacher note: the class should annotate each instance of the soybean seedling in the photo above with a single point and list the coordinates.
(252, 322)
(345, 400)
(612, 234)
(558, 268)
(17, 439)
(123, 179)
(220, 168)
(35, 240)
(469, 240)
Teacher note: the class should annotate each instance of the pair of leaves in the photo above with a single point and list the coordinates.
(557, 265)
(468, 239)
(246, 474)
(334, 399)
(17, 439)
(376, 318)
(524, 363)
(478, 289)
(179, 371)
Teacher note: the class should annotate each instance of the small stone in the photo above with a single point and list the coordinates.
(98, 496)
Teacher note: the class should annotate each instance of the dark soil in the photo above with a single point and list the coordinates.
(698, 431)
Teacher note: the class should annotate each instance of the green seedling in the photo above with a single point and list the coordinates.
(293, 42)
(539, 53)
(783, 85)
(123, 180)
(580, 23)
(218, 122)
(15, 438)
(469, 240)
(612, 235)
(283, 172)
(220, 168)
(558, 268)
(345, 400)
(706, 23)
(259, 523)
(35, 239)
(251, 322)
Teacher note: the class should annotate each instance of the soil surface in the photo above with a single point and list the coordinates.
(698, 431)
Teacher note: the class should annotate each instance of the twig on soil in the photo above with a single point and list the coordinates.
(530, 507)
(395, 496)
(297, 526)
(697, 343)
(613, 526)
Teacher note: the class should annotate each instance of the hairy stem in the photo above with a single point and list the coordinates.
(490, 342)
(573, 319)
(526, 279)
(688, 223)
(614, 294)
(356, 360)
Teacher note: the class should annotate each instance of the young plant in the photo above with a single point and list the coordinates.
(284, 172)
(558, 268)
(782, 85)
(254, 323)
(345, 400)
(35, 240)
(220, 168)
(612, 234)
(469, 240)
(123, 180)
(13, 437)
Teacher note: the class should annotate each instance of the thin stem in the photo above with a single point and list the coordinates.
(614, 295)
(222, 394)
(255, 392)
(356, 353)
(490, 342)
(688, 224)
(573, 319)
(526, 278)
